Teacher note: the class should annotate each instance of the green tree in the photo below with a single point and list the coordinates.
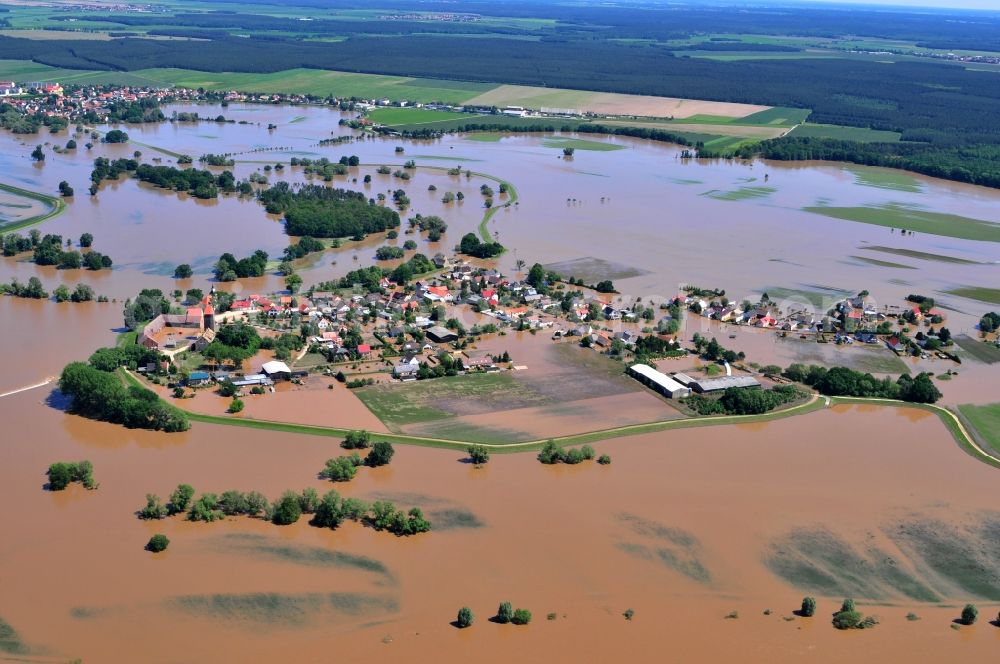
(157, 543)
(969, 614)
(380, 455)
(521, 617)
(61, 293)
(180, 499)
(604, 460)
(206, 508)
(38, 154)
(293, 283)
(236, 405)
(356, 440)
(341, 469)
(808, 609)
(465, 617)
(82, 293)
(329, 512)
(505, 613)
(551, 453)
(60, 475)
(287, 509)
(479, 454)
(153, 509)
(183, 271)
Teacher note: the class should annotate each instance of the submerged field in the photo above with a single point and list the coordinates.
(916, 220)
(564, 390)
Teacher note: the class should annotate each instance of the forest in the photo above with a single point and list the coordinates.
(322, 212)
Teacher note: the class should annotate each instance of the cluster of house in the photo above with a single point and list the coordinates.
(679, 385)
(852, 314)
(49, 98)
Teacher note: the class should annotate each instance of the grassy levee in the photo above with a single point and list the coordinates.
(511, 199)
(954, 423)
(57, 206)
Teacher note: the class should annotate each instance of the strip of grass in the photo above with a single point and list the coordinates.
(858, 134)
(985, 421)
(875, 261)
(989, 295)
(922, 255)
(56, 207)
(741, 194)
(893, 215)
(484, 137)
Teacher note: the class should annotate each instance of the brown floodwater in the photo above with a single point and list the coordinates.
(678, 528)
(684, 527)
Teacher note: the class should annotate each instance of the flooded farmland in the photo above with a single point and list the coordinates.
(684, 527)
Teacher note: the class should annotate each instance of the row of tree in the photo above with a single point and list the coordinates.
(842, 381)
(327, 511)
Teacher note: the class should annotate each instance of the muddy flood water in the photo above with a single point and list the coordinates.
(684, 527)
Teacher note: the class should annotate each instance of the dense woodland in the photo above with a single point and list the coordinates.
(319, 211)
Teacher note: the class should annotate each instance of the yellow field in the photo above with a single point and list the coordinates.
(609, 103)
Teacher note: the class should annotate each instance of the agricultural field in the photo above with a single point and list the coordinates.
(985, 420)
(978, 349)
(885, 179)
(394, 117)
(919, 221)
(989, 295)
(859, 134)
(565, 390)
(605, 103)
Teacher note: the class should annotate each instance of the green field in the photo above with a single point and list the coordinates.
(860, 134)
(294, 81)
(990, 295)
(885, 179)
(485, 137)
(581, 144)
(411, 116)
(893, 215)
(775, 117)
(875, 261)
(985, 420)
